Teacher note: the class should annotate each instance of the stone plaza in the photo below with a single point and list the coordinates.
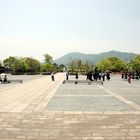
(39, 109)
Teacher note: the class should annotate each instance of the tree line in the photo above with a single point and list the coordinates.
(28, 65)
(112, 64)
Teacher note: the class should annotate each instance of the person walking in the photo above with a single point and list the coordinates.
(52, 76)
(129, 78)
(108, 76)
(122, 76)
(76, 75)
(103, 76)
(67, 76)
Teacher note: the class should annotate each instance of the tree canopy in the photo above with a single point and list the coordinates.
(134, 64)
(48, 58)
(22, 65)
(78, 65)
(9, 62)
(113, 64)
(31, 65)
(49, 65)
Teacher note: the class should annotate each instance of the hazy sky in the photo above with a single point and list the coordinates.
(35, 27)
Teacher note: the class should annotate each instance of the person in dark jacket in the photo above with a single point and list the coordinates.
(67, 76)
(76, 75)
(108, 76)
(52, 76)
(129, 78)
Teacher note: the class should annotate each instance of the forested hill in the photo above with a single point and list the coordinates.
(94, 58)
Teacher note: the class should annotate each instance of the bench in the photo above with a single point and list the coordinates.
(16, 80)
(82, 81)
(10, 81)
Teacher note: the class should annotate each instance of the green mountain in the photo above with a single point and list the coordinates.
(94, 58)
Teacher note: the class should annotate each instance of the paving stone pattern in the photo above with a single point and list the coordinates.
(77, 98)
(44, 110)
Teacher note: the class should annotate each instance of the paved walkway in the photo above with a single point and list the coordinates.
(44, 110)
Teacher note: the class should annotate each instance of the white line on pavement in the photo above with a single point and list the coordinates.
(125, 100)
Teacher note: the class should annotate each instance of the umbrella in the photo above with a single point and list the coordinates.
(2, 74)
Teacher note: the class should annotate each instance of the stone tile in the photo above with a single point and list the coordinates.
(27, 124)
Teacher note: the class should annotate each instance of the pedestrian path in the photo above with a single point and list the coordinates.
(29, 96)
(44, 110)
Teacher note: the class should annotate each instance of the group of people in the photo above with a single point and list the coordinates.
(127, 75)
(92, 76)
(98, 76)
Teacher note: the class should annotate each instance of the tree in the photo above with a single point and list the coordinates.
(117, 64)
(72, 66)
(8, 62)
(75, 65)
(135, 64)
(61, 68)
(113, 64)
(48, 58)
(19, 66)
(48, 66)
(78, 65)
(87, 67)
(103, 65)
(33, 65)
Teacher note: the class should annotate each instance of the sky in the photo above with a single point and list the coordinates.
(35, 27)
